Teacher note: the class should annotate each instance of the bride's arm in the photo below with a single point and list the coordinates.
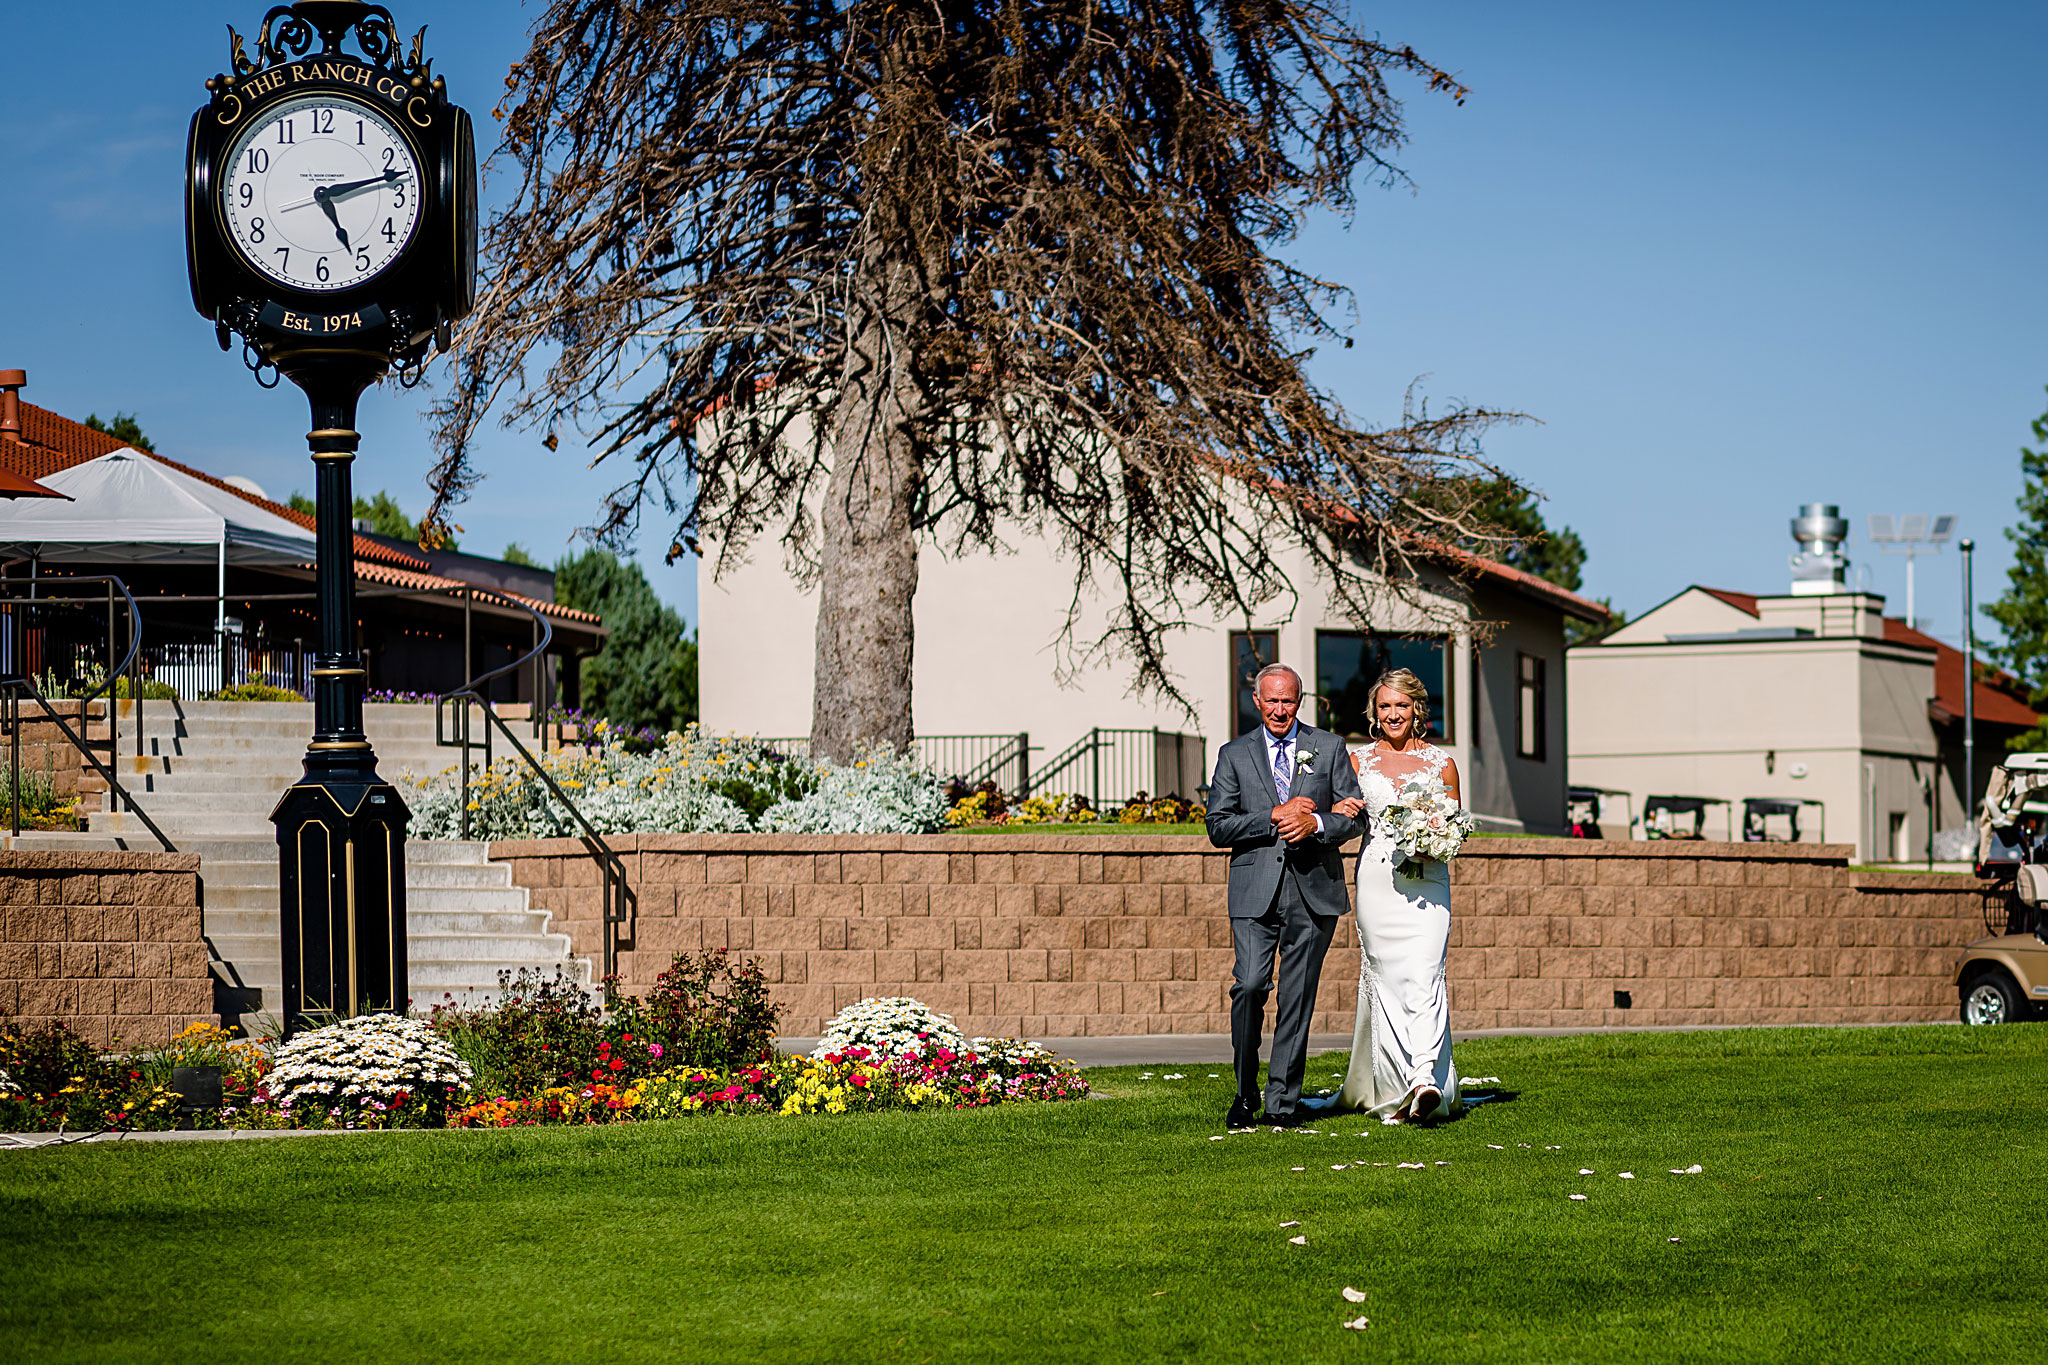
(1351, 807)
(1451, 780)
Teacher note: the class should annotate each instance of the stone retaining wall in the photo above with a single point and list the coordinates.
(108, 942)
(1071, 935)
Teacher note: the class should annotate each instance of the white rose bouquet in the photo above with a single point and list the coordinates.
(1427, 823)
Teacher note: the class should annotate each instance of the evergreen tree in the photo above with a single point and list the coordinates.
(124, 427)
(646, 674)
(515, 553)
(2022, 610)
(385, 516)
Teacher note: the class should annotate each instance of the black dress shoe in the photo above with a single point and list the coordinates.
(1289, 1120)
(1241, 1115)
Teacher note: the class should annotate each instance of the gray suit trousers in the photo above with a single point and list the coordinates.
(1301, 938)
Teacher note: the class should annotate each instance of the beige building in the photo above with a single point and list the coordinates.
(986, 668)
(1814, 696)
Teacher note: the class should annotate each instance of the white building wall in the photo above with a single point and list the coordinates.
(1733, 719)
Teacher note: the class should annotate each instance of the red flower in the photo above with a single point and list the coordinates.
(858, 1080)
(597, 1075)
(604, 1047)
(629, 1037)
(618, 1064)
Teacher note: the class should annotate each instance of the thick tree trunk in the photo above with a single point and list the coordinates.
(868, 547)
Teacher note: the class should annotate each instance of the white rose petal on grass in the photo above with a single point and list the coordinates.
(1340, 1168)
(1496, 1146)
(1291, 1223)
(1443, 1163)
(1297, 1241)
(1674, 1239)
(1626, 1175)
(1580, 1197)
(1217, 1138)
(1297, 1168)
(1353, 1295)
(1411, 1166)
(1358, 1324)
(1693, 1169)
(1585, 1170)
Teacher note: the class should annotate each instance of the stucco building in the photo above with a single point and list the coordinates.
(1815, 695)
(986, 627)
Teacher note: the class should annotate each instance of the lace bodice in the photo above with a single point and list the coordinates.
(1380, 787)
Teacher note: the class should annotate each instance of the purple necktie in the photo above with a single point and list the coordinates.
(1283, 771)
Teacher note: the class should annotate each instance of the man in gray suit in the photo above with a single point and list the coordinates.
(1269, 804)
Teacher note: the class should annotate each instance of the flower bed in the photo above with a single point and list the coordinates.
(687, 782)
(701, 1041)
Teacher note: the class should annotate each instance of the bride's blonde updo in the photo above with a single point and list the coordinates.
(1404, 681)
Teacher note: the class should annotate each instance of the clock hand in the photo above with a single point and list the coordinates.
(326, 200)
(390, 177)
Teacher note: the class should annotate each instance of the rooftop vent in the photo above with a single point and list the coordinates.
(1820, 568)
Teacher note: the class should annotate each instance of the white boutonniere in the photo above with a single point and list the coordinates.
(1304, 760)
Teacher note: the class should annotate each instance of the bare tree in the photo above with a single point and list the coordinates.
(970, 268)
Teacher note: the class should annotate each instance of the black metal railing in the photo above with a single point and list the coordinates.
(621, 903)
(39, 630)
(1116, 766)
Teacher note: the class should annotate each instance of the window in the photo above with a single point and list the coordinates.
(1348, 662)
(1530, 712)
(1250, 651)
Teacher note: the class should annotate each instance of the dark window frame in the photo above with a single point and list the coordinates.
(1240, 683)
(1441, 727)
(1530, 677)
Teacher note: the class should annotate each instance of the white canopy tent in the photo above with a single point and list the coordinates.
(128, 508)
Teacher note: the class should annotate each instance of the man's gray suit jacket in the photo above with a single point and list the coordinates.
(1241, 800)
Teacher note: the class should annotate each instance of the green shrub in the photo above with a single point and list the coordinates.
(704, 1011)
(252, 691)
(540, 1032)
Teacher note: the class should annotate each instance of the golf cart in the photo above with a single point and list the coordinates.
(1589, 813)
(1682, 817)
(1775, 819)
(2004, 978)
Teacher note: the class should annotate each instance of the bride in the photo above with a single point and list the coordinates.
(1401, 1046)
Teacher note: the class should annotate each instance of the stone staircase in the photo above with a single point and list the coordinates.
(210, 774)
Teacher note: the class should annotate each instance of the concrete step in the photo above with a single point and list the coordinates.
(487, 876)
(263, 896)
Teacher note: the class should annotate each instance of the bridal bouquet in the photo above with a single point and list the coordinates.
(1427, 823)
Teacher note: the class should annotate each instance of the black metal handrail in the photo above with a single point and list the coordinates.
(14, 686)
(621, 903)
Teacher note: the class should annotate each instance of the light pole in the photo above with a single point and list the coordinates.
(1968, 547)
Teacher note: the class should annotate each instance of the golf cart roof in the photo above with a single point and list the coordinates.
(2027, 763)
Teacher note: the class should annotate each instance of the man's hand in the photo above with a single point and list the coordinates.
(1295, 819)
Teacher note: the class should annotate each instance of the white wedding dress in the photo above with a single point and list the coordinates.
(1403, 1036)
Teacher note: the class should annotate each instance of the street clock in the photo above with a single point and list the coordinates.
(330, 222)
(330, 198)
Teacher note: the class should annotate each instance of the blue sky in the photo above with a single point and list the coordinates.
(1732, 257)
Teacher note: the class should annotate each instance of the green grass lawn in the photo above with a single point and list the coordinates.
(1868, 1194)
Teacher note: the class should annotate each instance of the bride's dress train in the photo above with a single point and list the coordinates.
(1402, 1040)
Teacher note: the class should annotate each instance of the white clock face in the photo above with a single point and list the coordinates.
(321, 193)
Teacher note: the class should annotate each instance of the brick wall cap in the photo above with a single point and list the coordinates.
(96, 860)
(1701, 849)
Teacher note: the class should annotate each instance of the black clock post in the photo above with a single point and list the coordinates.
(330, 220)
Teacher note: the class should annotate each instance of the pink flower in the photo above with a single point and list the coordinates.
(654, 1049)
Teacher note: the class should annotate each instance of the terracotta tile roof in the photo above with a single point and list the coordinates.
(1741, 601)
(427, 582)
(50, 443)
(1570, 603)
(2000, 698)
